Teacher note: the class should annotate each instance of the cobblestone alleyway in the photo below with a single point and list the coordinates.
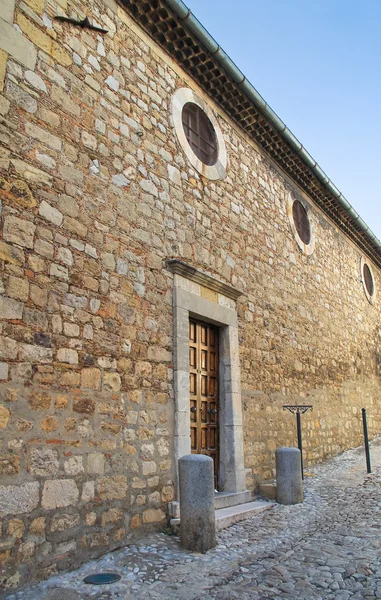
(326, 548)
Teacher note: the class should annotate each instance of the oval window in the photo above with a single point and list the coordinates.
(302, 223)
(200, 133)
(368, 280)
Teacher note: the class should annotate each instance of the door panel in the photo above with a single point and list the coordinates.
(203, 373)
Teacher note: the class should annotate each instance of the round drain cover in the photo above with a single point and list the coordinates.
(102, 578)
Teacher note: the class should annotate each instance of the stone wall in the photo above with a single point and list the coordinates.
(96, 196)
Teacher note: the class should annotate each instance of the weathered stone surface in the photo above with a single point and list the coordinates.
(39, 401)
(4, 370)
(289, 488)
(18, 499)
(16, 94)
(96, 463)
(153, 515)
(4, 416)
(11, 254)
(67, 355)
(43, 462)
(63, 522)
(46, 43)
(59, 493)
(112, 488)
(17, 45)
(90, 378)
(74, 465)
(17, 192)
(9, 464)
(197, 524)
(84, 406)
(10, 309)
(103, 194)
(50, 213)
(19, 231)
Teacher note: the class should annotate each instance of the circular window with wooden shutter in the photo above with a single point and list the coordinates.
(367, 279)
(299, 214)
(199, 134)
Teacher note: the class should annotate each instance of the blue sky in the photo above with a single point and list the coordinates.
(318, 65)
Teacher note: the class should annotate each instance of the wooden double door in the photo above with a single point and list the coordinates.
(204, 405)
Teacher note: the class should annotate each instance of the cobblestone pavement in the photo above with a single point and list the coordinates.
(327, 548)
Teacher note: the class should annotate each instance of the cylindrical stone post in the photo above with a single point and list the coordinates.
(197, 517)
(289, 487)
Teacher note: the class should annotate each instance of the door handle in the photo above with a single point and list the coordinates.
(193, 409)
(212, 411)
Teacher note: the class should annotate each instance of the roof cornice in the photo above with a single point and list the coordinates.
(172, 25)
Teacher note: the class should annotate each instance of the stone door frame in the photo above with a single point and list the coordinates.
(205, 298)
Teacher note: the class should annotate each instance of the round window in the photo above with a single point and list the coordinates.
(200, 133)
(302, 223)
(368, 280)
(300, 217)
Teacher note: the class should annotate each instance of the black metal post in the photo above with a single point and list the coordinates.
(299, 409)
(300, 445)
(366, 440)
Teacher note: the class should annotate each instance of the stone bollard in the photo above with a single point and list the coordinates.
(197, 518)
(289, 488)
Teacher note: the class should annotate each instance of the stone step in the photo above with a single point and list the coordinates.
(225, 499)
(225, 517)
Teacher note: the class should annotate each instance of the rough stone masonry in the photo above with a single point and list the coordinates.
(96, 195)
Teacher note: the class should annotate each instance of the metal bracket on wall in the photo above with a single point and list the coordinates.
(85, 23)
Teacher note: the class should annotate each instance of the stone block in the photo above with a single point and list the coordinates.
(39, 400)
(16, 528)
(43, 462)
(18, 288)
(111, 516)
(4, 371)
(64, 522)
(31, 353)
(88, 491)
(43, 136)
(50, 213)
(10, 308)
(111, 382)
(16, 191)
(59, 493)
(17, 45)
(11, 254)
(49, 424)
(153, 515)
(149, 467)
(9, 464)
(84, 406)
(74, 465)
(37, 526)
(96, 463)
(17, 95)
(7, 10)
(112, 488)
(91, 378)
(19, 231)
(43, 41)
(268, 490)
(35, 81)
(67, 355)
(18, 499)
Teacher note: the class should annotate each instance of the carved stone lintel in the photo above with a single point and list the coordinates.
(181, 268)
